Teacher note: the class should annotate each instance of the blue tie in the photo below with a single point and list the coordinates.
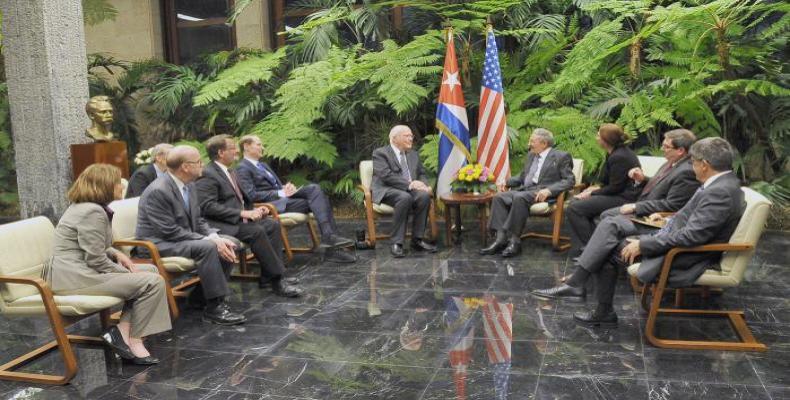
(185, 193)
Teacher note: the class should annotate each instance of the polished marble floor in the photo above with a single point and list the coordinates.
(433, 327)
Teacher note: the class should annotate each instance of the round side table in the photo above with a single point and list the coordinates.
(455, 201)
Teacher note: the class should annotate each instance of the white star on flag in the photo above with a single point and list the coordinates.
(452, 80)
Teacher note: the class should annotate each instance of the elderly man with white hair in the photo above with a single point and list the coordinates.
(399, 181)
(143, 176)
(547, 173)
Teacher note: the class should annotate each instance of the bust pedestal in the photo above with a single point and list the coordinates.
(113, 153)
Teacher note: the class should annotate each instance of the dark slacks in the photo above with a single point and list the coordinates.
(510, 210)
(601, 255)
(415, 202)
(582, 214)
(263, 238)
(213, 270)
(310, 198)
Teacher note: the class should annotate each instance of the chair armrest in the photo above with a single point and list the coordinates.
(272, 209)
(664, 276)
(43, 289)
(156, 259)
(368, 195)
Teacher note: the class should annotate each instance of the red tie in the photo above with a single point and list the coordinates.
(235, 183)
(653, 182)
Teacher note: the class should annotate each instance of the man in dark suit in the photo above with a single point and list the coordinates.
(169, 216)
(143, 176)
(262, 185)
(399, 181)
(710, 216)
(547, 173)
(226, 208)
(671, 187)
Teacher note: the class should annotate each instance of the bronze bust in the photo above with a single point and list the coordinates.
(100, 112)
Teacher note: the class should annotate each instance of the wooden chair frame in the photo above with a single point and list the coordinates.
(62, 341)
(290, 250)
(558, 242)
(370, 217)
(747, 341)
(156, 260)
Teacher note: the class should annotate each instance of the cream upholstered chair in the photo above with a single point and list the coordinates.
(737, 254)
(125, 184)
(556, 211)
(650, 164)
(124, 223)
(373, 209)
(289, 220)
(26, 246)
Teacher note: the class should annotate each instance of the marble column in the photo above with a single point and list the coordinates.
(46, 71)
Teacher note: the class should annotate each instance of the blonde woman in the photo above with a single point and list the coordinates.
(84, 263)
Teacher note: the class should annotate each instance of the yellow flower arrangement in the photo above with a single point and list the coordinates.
(473, 178)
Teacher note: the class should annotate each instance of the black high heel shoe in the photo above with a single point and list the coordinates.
(114, 340)
(148, 360)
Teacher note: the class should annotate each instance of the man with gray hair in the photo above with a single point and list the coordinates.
(710, 216)
(399, 181)
(143, 176)
(547, 173)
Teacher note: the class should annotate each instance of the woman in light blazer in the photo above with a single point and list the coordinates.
(84, 263)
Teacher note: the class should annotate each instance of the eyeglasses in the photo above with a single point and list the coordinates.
(198, 162)
(668, 147)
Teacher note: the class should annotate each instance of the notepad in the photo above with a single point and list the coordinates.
(645, 221)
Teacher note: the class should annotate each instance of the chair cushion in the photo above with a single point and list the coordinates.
(178, 264)
(67, 305)
(25, 246)
(366, 173)
(541, 209)
(650, 164)
(383, 209)
(124, 219)
(290, 219)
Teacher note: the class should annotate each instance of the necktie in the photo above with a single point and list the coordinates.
(404, 167)
(269, 175)
(668, 226)
(185, 194)
(659, 176)
(533, 169)
(235, 183)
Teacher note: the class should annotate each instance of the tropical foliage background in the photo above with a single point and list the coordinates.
(347, 74)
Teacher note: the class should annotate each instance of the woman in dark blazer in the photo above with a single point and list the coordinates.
(617, 188)
(84, 263)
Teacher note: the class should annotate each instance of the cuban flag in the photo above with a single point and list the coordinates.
(451, 122)
(492, 144)
(458, 318)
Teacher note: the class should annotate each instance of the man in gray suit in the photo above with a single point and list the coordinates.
(399, 181)
(710, 216)
(671, 187)
(169, 216)
(547, 173)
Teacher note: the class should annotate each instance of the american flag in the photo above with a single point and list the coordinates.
(498, 328)
(492, 145)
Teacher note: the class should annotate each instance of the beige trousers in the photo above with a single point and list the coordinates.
(146, 307)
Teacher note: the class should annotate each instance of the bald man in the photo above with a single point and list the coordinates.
(399, 181)
(169, 216)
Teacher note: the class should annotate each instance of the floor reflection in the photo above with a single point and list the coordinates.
(447, 326)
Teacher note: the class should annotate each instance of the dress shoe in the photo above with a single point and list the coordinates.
(339, 256)
(113, 339)
(291, 280)
(397, 250)
(283, 289)
(335, 241)
(220, 314)
(563, 290)
(593, 318)
(494, 248)
(513, 249)
(422, 245)
(149, 360)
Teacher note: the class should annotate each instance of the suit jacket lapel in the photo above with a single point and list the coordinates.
(546, 163)
(178, 196)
